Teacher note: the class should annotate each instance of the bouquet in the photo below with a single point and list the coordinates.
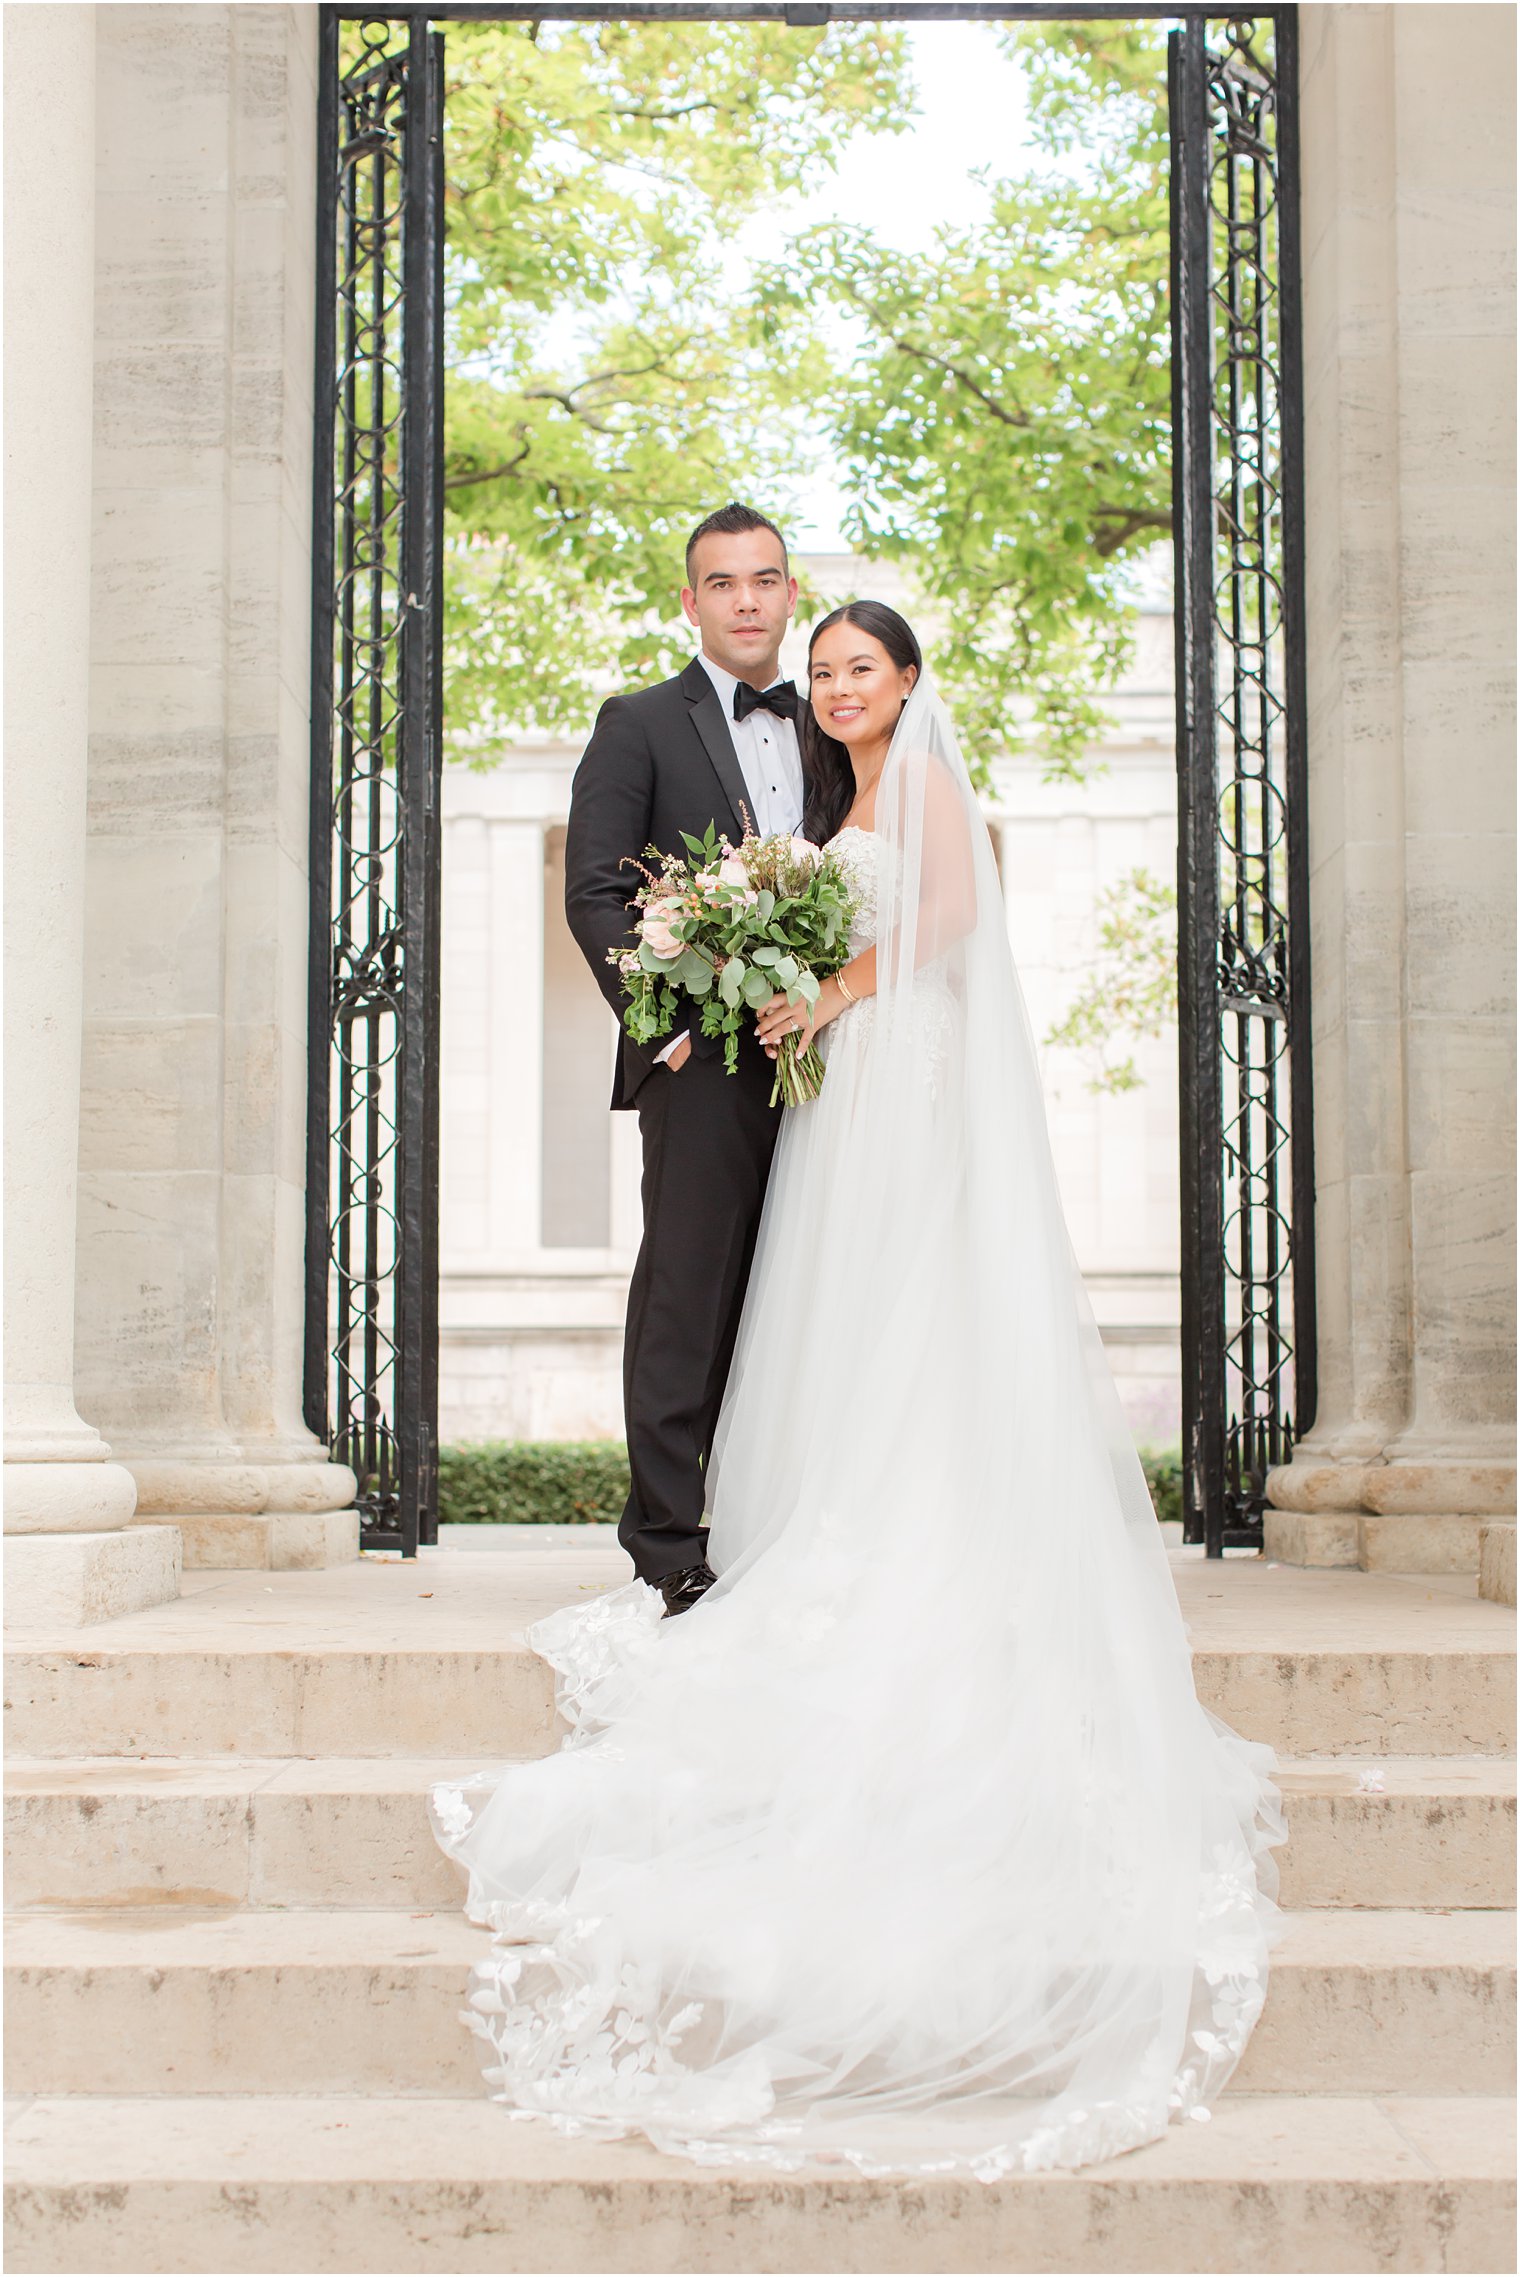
(731, 927)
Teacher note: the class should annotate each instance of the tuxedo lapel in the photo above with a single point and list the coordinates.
(707, 718)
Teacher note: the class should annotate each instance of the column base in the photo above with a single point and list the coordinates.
(172, 1489)
(269, 1541)
(1404, 1516)
(1376, 1542)
(1496, 1560)
(1405, 1488)
(73, 1580)
(1311, 1537)
(67, 1497)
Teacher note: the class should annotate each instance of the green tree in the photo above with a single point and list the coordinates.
(610, 376)
(1130, 990)
(1005, 418)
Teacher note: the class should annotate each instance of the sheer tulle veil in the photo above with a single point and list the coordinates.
(912, 1844)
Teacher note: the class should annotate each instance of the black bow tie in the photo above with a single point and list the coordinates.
(782, 700)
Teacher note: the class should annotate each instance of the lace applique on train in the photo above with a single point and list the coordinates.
(580, 2034)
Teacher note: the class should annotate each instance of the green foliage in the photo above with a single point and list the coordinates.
(1131, 987)
(1005, 418)
(501, 1482)
(1000, 406)
(607, 385)
(1163, 1475)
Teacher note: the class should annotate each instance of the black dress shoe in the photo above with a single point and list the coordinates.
(681, 1590)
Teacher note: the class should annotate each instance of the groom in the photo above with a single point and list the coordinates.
(716, 745)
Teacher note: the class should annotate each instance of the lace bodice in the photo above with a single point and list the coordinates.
(933, 1011)
(857, 852)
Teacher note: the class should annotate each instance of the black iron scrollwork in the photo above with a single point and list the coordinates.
(372, 1172)
(1243, 876)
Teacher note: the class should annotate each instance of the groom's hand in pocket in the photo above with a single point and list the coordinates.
(680, 1055)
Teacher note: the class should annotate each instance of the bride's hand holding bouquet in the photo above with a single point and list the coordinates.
(733, 928)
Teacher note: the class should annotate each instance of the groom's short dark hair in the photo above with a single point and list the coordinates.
(728, 522)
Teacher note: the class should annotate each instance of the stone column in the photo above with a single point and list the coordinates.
(67, 1558)
(516, 1043)
(1408, 136)
(625, 1172)
(194, 1108)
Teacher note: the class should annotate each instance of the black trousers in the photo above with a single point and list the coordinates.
(708, 1140)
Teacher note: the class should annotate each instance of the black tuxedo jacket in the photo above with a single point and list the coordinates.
(660, 761)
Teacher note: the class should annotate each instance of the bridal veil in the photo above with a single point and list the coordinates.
(911, 1844)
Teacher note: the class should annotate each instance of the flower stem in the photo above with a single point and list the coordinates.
(799, 1074)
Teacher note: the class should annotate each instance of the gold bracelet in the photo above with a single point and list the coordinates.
(845, 989)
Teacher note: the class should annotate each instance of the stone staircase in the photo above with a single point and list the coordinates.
(235, 1958)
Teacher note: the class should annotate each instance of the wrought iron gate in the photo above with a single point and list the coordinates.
(1242, 857)
(372, 1162)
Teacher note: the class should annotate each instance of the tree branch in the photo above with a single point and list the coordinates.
(999, 411)
(566, 396)
(490, 474)
(1129, 522)
(679, 111)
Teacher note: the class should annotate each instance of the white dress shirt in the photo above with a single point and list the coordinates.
(768, 756)
(770, 760)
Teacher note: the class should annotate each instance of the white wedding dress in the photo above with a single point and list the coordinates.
(910, 1844)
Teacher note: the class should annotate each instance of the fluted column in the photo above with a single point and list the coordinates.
(64, 1498)
(514, 1215)
(1409, 236)
(193, 1117)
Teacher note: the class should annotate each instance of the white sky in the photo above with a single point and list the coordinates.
(971, 113)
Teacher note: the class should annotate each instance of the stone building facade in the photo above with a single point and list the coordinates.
(160, 273)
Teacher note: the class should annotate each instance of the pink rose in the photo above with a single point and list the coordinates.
(655, 927)
(731, 871)
(804, 850)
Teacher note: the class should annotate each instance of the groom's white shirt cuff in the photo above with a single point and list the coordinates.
(661, 1057)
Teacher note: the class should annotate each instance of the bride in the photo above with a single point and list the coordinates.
(911, 1843)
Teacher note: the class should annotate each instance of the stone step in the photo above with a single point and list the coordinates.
(231, 2184)
(353, 1831)
(269, 2003)
(276, 1697)
(428, 1658)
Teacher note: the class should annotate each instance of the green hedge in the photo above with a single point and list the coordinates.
(528, 1482)
(533, 1482)
(1163, 1475)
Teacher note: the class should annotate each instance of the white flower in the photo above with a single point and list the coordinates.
(452, 1812)
(1213, 2044)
